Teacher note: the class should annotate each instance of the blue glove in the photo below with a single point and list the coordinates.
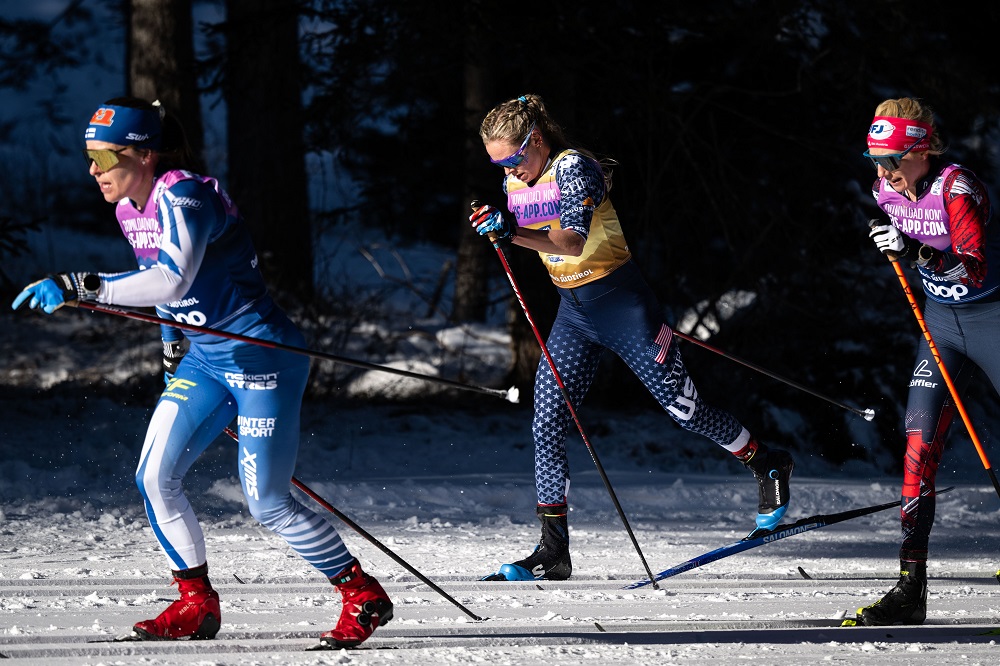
(488, 220)
(173, 352)
(55, 291)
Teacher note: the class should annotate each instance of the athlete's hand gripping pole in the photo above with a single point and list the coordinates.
(959, 404)
(477, 210)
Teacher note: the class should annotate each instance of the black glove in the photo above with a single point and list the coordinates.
(173, 352)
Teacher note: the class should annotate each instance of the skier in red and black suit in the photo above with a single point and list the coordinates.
(938, 220)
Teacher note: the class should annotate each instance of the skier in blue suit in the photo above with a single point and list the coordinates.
(197, 265)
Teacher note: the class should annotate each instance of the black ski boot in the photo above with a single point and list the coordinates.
(904, 604)
(550, 559)
(772, 469)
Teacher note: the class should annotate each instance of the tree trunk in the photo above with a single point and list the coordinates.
(265, 135)
(471, 267)
(161, 62)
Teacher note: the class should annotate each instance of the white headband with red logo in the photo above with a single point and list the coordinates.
(899, 134)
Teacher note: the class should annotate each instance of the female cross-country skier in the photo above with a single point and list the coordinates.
(197, 265)
(558, 195)
(938, 220)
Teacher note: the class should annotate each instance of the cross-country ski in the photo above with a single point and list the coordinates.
(761, 537)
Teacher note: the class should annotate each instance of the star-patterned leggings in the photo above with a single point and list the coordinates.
(621, 313)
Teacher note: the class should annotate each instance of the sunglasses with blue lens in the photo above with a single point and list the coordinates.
(889, 162)
(515, 160)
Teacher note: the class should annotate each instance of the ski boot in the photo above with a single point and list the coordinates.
(550, 559)
(772, 469)
(906, 603)
(196, 614)
(366, 607)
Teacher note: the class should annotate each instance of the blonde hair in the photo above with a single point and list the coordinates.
(509, 122)
(912, 109)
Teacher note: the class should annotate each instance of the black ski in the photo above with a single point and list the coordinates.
(761, 537)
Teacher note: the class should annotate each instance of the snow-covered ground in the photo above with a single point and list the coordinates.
(446, 486)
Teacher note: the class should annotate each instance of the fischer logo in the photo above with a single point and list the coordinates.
(954, 292)
(249, 464)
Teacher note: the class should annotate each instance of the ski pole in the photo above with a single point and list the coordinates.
(867, 414)
(566, 397)
(940, 364)
(368, 537)
(510, 395)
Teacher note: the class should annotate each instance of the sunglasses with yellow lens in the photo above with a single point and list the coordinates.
(104, 158)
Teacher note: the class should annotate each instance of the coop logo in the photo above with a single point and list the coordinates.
(953, 292)
(249, 464)
(259, 382)
(194, 317)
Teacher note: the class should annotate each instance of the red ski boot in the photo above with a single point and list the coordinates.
(366, 607)
(196, 614)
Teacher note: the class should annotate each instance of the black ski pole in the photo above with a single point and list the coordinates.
(510, 395)
(370, 539)
(867, 414)
(568, 399)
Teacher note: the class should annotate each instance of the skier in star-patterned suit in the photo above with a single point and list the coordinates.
(558, 196)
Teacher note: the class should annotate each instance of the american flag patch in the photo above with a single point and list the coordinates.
(661, 344)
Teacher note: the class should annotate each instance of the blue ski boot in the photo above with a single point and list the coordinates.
(772, 469)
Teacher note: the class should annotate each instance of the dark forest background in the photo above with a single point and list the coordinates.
(737, 127)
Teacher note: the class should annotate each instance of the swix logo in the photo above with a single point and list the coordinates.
(684, 404)
(954, 292)
(249, 464)
(138, 138)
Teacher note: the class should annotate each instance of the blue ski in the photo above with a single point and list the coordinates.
(761, 537)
